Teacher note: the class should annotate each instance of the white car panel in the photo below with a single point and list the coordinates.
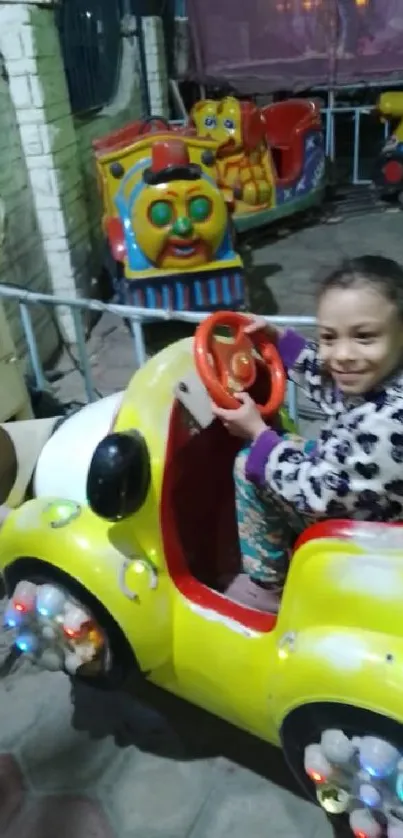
(63, 464)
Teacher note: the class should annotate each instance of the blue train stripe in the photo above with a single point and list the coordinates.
(198, 294)
(212, 286)
(165, 296)
(180, 296)
(226, 291)
(150, 300)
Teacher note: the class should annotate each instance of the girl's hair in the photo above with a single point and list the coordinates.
(377, 272)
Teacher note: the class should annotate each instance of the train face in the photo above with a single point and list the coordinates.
(168, 224)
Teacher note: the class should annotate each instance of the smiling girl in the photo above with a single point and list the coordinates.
(355, 470)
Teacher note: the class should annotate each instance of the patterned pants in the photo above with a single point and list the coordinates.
(267, 525)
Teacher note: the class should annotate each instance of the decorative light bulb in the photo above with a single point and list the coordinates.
(24, 596)
(337, 747)
(369, 795)
(28, 643)
(50, 601)
(75, 620)
(12, 618)
(377, 756)
(363, 825)
(316, 765)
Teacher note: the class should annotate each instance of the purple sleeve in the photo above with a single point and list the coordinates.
(290, 346)
(259, 454)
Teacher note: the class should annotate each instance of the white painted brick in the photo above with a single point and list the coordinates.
(32, 140)
(15, 14)
(21, 92)
(44, 183)
(31, 116)
(37, 94)
(46, 202)
(155, 89)
(11, 45)
(40, 161)
(60, 264)
(28, 41)
(152, 63)
(52, 223)
(21, 66)
(57, 244)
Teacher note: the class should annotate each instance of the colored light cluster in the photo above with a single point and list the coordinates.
(363, 777)
(51, 627)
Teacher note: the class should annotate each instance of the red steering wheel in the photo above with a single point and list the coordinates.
(229, 368)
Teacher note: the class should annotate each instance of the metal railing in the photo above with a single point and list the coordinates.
(135, 316)
(330, 112)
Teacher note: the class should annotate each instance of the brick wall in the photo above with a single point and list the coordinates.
(22, 256)
(156, 66)
(57, 146)
(30, 47)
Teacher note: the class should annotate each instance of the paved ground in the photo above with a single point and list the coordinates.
(79, 763)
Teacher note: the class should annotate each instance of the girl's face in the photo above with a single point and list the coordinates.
(360, 337)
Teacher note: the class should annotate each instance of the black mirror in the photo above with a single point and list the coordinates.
(119, 476)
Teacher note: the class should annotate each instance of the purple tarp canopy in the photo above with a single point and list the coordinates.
(262, 45)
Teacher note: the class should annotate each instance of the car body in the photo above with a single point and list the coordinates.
(152, 577)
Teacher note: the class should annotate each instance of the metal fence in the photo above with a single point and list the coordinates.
(134, 315)
(336, 109)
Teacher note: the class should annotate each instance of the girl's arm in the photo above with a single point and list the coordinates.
(333, 480)
(301, 360)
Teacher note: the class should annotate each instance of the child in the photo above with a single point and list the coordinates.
(355, 374)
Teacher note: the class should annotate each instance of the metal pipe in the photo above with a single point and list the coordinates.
(30, 338)
(83, 356)
(176, 95)
(140, 353)
(356, 150)
(134, 312)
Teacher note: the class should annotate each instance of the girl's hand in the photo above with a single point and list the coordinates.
(245, 422)
(259, 324)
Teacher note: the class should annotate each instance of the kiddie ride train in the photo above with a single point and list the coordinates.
(173, 196)
(122, 558)
(388, 175)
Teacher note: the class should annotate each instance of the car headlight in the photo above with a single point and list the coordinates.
(59, 513)
(119, 475)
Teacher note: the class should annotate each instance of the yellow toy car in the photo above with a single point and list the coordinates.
(122, 560)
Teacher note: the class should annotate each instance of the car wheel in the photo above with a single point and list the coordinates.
(351, 762)
(61, 627)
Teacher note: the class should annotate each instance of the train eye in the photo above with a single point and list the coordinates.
(200, 208)
(161, 213)
(229, 124)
